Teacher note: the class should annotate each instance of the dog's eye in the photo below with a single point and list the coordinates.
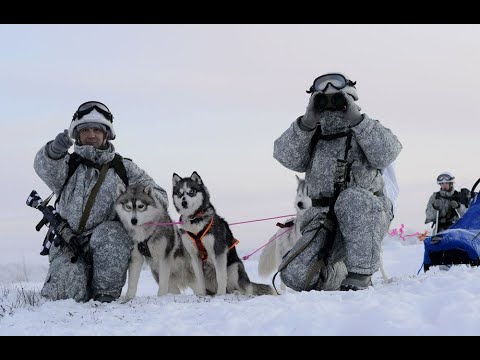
(192, 192)
(179, 194)
(128, 207)
(141, 206)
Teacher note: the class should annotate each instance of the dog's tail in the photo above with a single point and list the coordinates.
(385, 276)
(268, 259)
(261, 289)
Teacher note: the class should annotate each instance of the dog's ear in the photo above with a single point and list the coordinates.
(195, 177)
(148, 190)
(175, 179)
(121, 189)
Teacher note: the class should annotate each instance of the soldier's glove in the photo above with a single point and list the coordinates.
(454, 204)
(60, 145)
(437, 204)
(312, 116)
(352, 116)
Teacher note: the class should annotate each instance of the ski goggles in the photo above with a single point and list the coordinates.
(338, 81)
(89, 106)
(444, 178)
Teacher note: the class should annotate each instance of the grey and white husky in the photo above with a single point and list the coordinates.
(272, 254)
(159, 245)
(207, 238)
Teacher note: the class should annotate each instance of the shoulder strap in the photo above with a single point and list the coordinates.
(318, 135)
(92, 197)
(119, 167)
(75, 160)
(73, 163)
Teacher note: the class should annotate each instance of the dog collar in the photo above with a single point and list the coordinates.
(197, 214)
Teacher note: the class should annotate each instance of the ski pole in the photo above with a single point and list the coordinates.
(458, 214)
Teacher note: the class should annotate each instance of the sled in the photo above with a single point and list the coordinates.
(460, 243)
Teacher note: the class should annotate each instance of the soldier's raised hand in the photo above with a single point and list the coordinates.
(60, 145)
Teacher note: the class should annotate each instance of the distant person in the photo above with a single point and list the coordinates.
(101, 272)
(448, 202)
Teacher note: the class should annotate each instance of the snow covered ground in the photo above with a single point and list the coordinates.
(433, 303)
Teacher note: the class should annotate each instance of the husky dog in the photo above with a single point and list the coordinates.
(272, 254)
(210, 243)
(159, 245)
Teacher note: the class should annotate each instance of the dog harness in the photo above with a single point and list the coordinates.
(198, 240)
(143, 247)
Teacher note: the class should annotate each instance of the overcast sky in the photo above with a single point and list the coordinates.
(213, 98)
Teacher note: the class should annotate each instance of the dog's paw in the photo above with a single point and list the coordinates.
(389, 280)
(126, 299)
(199, 292)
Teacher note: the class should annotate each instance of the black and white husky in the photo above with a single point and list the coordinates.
(160, 246)
(207, 238)
(286, 236)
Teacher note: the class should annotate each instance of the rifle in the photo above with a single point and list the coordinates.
(59, 232)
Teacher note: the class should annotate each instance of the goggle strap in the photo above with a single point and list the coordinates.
(79, 114)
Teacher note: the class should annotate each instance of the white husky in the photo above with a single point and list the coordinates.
(273, 253)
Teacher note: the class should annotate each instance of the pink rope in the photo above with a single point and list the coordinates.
(401, 233)
(152, 223)
(237, 223)
(269, 241)
(251, 221)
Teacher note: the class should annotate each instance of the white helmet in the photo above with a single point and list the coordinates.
(93, 112)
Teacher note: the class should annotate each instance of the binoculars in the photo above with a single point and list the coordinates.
(336, 101)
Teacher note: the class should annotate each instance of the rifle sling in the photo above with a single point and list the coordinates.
(92, 197)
